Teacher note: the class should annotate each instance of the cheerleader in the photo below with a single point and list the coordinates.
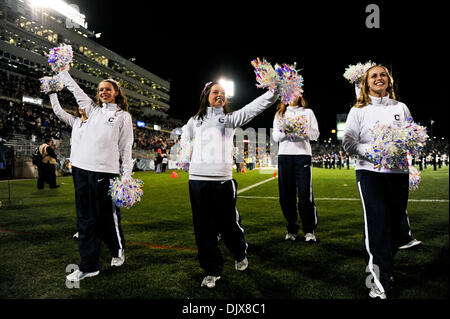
(295, 171)
(107, 137)
(384, 193)
(207, 142)
(406, 241)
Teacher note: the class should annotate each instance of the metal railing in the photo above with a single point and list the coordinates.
(24, 148)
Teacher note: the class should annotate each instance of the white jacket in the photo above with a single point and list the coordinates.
(108, 135)
(357, 137)
(211, 139)
(299, 146)
(78, 127)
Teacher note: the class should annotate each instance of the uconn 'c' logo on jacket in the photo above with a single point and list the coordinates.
(111, 121)
(397, 117)
(221, 122)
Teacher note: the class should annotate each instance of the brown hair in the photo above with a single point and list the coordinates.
(204, 103)
(364, 99)
(281, 109)
(120, 99)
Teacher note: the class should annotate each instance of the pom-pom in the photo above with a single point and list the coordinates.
(60, 56)
(290, 83)
(125, 193)
(354, 73)
(293, 127)
(414, 178)
(393, 141)
(266, 76)
(184, 153)
(284, 78)
(51, 84)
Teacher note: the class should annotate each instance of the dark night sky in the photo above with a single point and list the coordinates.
(191, 44)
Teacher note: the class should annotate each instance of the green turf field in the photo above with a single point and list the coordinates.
(36, 244)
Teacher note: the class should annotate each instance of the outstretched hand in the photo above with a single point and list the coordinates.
(273, 87)
(64, 67)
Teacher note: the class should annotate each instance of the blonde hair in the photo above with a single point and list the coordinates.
(364, 99)
(281, 109)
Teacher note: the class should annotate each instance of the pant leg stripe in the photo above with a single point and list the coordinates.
(116, 226)
(366, 241)
(237, 213)
(311, 197)
(409, 225)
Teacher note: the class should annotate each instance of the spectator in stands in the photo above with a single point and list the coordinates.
(158, 162)
(4, 132)
(164, 162)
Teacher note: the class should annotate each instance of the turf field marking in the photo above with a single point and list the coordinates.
(352, 199)
(255, 185)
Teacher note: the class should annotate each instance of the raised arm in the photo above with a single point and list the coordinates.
(60, 113)
(357, 89)
(83, 100)
(247, 113)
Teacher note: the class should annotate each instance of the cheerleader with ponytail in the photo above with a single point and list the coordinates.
(294, 126)
(207, 144)
(107, 138)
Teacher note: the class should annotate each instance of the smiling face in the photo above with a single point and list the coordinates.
(378, 81)
(217, 97)
(106, 92)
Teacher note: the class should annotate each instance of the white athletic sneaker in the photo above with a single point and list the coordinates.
(75, 235)
(310, 237)
(118, 261)
(411, 244)
(376, 293)
(241, 265)
(210, 281)
(78, 275)
(290, 236)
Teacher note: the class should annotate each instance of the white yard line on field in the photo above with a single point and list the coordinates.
(351, 199)
(255, 185)
(325, 198)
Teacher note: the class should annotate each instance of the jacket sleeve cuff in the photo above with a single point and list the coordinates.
(363, 149)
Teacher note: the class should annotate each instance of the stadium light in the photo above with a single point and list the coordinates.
(62, 8)
(228, 86)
